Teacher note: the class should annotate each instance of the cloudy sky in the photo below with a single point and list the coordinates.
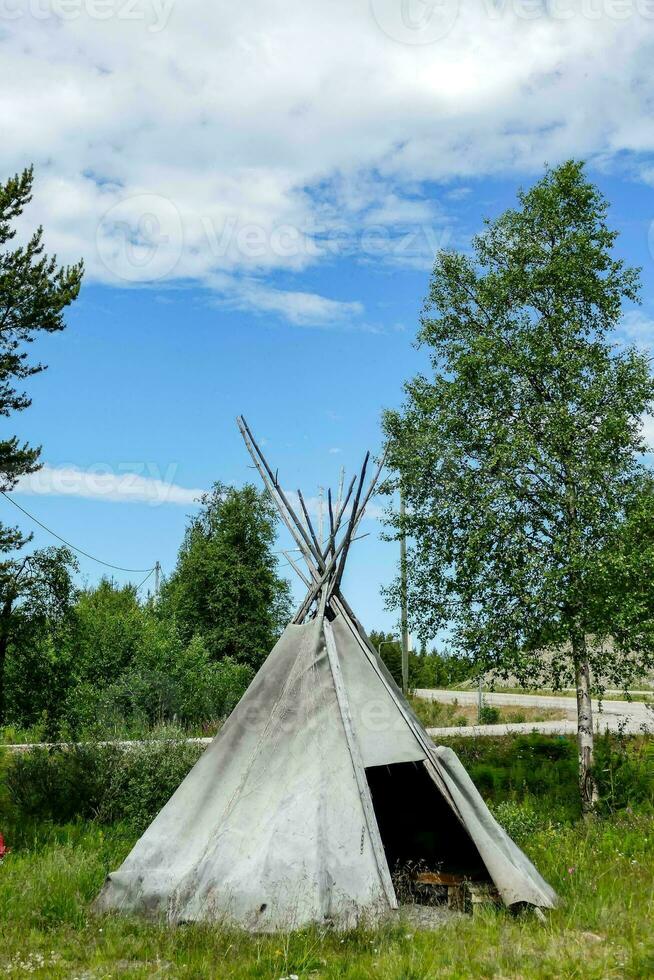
(257, 191)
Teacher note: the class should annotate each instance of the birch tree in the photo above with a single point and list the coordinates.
(517, 455)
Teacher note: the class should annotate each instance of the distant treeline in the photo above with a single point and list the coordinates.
(426, 668)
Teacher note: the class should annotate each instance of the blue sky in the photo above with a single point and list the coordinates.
(258, 194)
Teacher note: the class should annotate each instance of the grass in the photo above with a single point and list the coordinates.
(602, 871)
(436, 714)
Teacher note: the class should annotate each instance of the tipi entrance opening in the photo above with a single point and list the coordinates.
(419, 831)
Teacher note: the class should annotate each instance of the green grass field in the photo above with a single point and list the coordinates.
(603, 872)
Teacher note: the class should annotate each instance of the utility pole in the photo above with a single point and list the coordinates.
(404, 600)
(157, 580)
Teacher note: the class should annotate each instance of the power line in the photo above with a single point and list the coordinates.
(80, 551)
(151, 572)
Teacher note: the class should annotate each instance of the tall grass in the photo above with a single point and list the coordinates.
(602, 871)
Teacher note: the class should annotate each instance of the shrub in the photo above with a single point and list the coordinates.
(186, 686)
(143, 780)
(625, 771)
(489, 715)
(107, 782)
(520, 820)
(523, 766)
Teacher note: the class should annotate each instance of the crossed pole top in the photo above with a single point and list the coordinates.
(325, 564)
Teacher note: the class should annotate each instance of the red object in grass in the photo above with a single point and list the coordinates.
(3, 849)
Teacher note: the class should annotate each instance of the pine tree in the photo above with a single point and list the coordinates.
(34, 291)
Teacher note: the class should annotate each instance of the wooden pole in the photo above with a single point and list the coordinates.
(307, 519)
(321, 504)
(321, 568)
(287, 513)
(340, 511)
(352, 523)
(297, 568)
(332, 529)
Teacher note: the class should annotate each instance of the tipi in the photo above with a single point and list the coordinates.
(320, 781)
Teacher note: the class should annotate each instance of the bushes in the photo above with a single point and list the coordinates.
(105, 782)
(543, 769)
(188, 688)
(521, 820)
(624, 771)
(529, 781)
(117, 668)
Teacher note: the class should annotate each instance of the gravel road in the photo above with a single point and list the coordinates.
(632, 717)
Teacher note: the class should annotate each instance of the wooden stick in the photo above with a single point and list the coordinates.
(331, 521)
(337, 581)
(297, 568)
(353, 517)
(318, 584)
(316, 587)
(278, 499)
(242, 424)
(309, 524)
(341, 511)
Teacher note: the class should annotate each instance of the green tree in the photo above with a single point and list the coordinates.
(517, 456)
(36, 593)
(226, 586)
(34, 291)
(621, 584)
(107, 630)
(389, 649)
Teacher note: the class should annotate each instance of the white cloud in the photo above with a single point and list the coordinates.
(101, 482)
(335, 450)
(638, 328)
(648, 430)
(210, 142)
(300, 308)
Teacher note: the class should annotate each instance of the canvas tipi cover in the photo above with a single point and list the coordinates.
(285, 819)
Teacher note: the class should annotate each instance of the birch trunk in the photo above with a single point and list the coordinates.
(585, 735)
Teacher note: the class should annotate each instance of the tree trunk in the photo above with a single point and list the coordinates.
(5, 616)
(3, 657)
(585, 735)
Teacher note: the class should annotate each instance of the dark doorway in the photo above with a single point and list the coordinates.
(417, 825)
